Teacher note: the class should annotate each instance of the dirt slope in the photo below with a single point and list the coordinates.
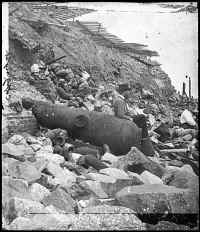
(30, 38)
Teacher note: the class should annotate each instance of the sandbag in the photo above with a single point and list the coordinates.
(186, 117)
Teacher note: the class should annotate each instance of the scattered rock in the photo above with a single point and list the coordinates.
(58, 159)
(176, 163)
(61, 200)
(188, 168)
(187, 137)
(94, 187)
(53, 221)
(93, 201)
(86, 150)
(106, 217)
(45, 141)
(21, 223)
(5, 170)
(38, 192)
(5, 165)
(158, 199)
(47, 181)
(83, 204)
(17, 140)
(111, 185)
(63, 176)
(77, 169)
(171, 167)
(137, 162)
(182, 178)
(22, 207)
(24, 170)
(33, 140)
(78, 191)
(67, 178)
(43, 222)
(15, 151)
(108, 201)
(75, 157)
(53, 210)
(109, 158)
(35, 147)
(40, 163)
(114, 172)
(54, 168)
(136, 177)
(4, 223)
(166, 225)
(91, 161)
(100, 177)
(14, 188)
(47, 149)
(149, 178)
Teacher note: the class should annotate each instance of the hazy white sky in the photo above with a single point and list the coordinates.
(173, 35)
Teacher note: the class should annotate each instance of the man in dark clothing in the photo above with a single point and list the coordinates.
(120, 107)
(146, 145)
(121, 111)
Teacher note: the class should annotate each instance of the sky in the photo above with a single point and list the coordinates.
(173, 35)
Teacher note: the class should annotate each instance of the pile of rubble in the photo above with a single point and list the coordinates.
(53, 181)
(45, 187)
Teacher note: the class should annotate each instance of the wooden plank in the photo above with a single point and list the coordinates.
(137, 44)
(114, 41)
(92, 26)
(89, 22)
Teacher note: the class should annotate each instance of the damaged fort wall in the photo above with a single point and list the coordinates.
(79, 49)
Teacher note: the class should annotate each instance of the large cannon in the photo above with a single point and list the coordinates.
(94, 127)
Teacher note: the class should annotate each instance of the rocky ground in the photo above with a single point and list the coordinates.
(46, 186)
(48, 182)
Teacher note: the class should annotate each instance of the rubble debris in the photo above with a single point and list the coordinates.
(91, 161)
(164, 197)
(61, 200)
(149, 178)
(23, 170)
(87, 151)
(14, 188)
(95, 188)
(81, 163)
(38, 192)
(182, 178)
(105, 217)
(136, 161)
(19, 207)
(43, 221)
(110, 184)
(166, 225)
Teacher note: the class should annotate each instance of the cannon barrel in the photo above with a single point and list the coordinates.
(94, 127)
